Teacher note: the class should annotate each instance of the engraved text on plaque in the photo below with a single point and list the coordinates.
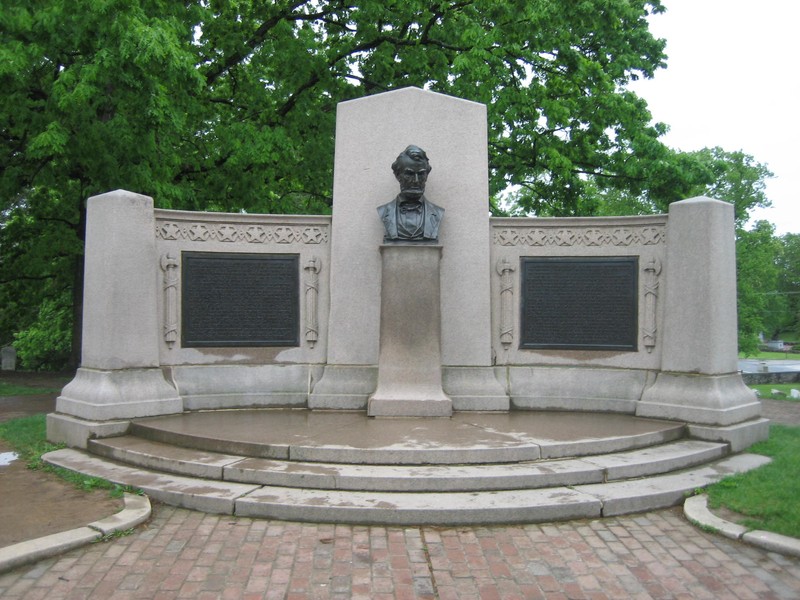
(231, 299)
(579, 303)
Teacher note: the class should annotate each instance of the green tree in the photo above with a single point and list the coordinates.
(789, 287)
(757, 272)
(738, 178)
(735, 177)
(219, 105)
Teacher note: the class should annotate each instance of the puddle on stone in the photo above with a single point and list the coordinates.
(6, 458)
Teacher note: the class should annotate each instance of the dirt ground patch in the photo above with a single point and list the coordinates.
(35, 503)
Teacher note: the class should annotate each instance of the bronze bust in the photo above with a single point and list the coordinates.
(411, 217)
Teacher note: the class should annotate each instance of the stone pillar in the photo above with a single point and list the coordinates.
(410, 359)
(699, 380)
(370, 133)
(119, 377)
(8, 356)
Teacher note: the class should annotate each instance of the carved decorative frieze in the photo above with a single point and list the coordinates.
(312, 269)
(170, 264)
(246, 233)
(652, 270)
(505, 269)
(647, 235)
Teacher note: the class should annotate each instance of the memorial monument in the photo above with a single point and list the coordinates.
(425, 308)
(410, 360)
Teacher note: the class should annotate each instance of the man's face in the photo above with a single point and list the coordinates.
(412, 176)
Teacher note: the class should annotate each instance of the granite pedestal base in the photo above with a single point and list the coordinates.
(410, 359)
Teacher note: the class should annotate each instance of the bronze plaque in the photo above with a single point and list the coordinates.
(230, 299)
(580, 303)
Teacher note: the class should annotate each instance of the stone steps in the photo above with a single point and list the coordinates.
(409, 508)
(353, 438)
(643, 462)
(343, 467)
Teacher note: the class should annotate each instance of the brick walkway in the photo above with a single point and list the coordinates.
(185, 554)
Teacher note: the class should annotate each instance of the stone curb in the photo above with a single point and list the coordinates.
(137, 510)
(696, 510)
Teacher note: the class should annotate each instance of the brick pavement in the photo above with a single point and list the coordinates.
(185, 554)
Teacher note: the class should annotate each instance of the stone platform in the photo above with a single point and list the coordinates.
(330, 466)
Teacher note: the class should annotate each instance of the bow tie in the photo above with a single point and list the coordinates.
(411, 207)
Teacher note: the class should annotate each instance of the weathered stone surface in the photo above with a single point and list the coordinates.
(44, 547)
(621, 497)
(100, 395)
(242, 386)
(120, 318)
(474, 388)
(521, 506)
(348, 468)
(369, 133)
(410, 359)
(76, 433)
(199, 494)
(700, 270)
(570, 388)
(739, 436)
(344, 387)
(696, 510)
(700, 399)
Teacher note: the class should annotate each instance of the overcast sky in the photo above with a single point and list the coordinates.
(733, 80)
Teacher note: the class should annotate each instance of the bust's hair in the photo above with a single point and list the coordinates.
(416, 154)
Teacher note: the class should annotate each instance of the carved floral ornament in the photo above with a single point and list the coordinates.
(648, 235)
(251, 234)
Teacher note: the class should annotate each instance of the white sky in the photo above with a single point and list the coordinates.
(733, 80)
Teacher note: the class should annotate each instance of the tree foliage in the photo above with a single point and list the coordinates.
(735, 177)
(757, 274)
(738, 178)
(789, 287)
(222, 105)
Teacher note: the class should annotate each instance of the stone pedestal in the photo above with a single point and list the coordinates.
(410, 358)
(120, 376)
(8, 355)
(699, 381)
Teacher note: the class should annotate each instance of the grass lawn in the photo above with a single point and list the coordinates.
(28, 437)
(765, 390)
(13, 389)
(767, 496)
(772, 356)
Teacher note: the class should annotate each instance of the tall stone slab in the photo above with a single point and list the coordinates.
(698, 381)
(370, 133)
(119, 377)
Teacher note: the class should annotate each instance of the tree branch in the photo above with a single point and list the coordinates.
(258, 37)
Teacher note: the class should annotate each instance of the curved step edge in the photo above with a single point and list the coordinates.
(450, 508)
(205, 495)
(433, 478)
